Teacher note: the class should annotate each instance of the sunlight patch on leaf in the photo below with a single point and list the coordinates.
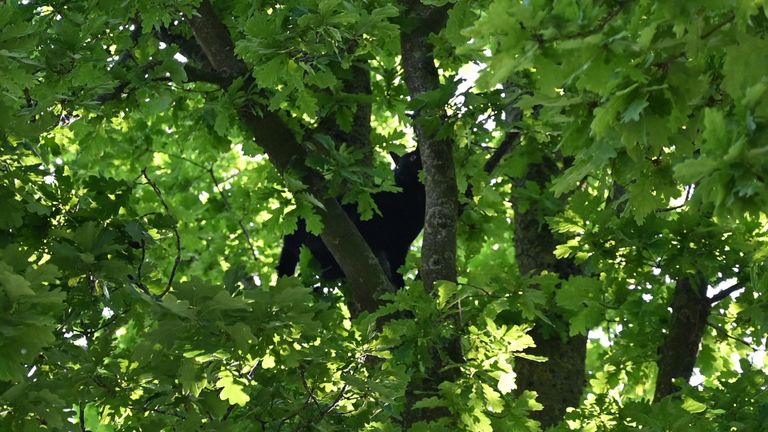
(231, 391)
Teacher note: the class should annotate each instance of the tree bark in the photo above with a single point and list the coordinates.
(438, 250)
(559, 381)
(690, 312)
(364, 274)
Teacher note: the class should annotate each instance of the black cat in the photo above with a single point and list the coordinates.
(389, 234)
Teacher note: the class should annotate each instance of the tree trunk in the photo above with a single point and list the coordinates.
(438, 250)
(560, 380)
(690, 312)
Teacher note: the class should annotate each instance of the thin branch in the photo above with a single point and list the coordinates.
(688, 192)
(195, 74)
(137, 280)
(596, 29)
(718, 26)
(512, 137)
(82, 417)
(484, 291)
(229, 411)
(143, 258)
(225, 200)
(240, 222)
(725, 293)
(723, 332)
(509, 141)
(175, 230)
(182, 158)
(168, 413)
(253, 369)
(108, 323)
(310, 391)
(335, 402)
(121, 88)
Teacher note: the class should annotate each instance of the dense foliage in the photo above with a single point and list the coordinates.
(612, 179)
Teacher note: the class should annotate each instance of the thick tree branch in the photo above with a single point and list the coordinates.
(213, 37)
(438, 251)
(725, 293)
(365, 276)
(511, 138)
(690, 311)
(196, 74)
(506, 145)
(559, 382)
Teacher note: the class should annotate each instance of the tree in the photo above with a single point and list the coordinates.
(594, 248)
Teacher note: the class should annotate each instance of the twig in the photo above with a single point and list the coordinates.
(228, 412)
(310, 392)
(253, 369)
(225, 200)
(718, 26)
(722, 331)
(510, 140)
(175, 230)
(240, 222)
(82, 417)
(108, 323)
(182, 158)
(596, 29)
(724, 293)
(688, 191)
(485, 291)
(143, 257)
(336, 401)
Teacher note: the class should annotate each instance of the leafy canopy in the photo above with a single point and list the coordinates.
(141, 223)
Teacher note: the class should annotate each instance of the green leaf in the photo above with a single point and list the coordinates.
(178, 307)
(693, 406)
(445, 291)
(633, 111)
(272, 72)
(225, 301)
(693, 170)
(15, 286)
(323, 79)
(430, 402)
(576, 292)
(715, 131)
(231, 391)
(190, 378)
(507, 382)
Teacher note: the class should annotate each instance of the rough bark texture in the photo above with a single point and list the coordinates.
(213, 37)
(560, 380)
(690, 311)
(364, 274)
(438, 251)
